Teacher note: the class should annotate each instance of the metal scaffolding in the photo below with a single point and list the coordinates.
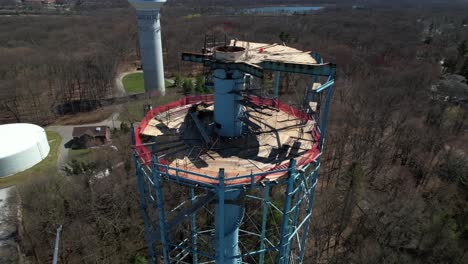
(261, 217)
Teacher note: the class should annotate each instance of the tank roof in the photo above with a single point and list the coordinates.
(21, 147)
(17, 137)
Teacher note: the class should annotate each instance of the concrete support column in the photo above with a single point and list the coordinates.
(233, 215)
(228, 108)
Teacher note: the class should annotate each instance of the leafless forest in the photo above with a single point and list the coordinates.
(394, 179)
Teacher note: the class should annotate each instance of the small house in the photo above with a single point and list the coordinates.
(90, 136)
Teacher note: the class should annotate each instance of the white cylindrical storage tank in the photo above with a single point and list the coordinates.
(21, 147)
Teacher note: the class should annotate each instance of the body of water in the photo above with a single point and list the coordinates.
(281, 9)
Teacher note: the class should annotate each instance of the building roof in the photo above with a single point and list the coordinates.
(93, 131)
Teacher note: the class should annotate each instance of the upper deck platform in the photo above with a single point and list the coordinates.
(256, 53)
(274, 134)
(254, 58)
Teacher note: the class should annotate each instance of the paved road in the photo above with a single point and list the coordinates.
(66, 133)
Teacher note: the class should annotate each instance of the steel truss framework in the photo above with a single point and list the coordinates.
(179, 212)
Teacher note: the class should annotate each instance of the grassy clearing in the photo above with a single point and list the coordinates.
(49, 164)
(81, 155)
(134, 83)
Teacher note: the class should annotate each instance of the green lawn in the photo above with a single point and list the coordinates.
(81, 155)
(48, 164)
(134, 83)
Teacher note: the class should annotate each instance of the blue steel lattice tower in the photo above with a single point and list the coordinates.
(231, 177)
(149, 32)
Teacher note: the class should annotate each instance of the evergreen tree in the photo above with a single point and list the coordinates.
(200, 84)
(463, 48)
(178, 81)
(464, 68)
(187, 86)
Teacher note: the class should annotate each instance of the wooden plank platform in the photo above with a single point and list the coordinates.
(279, 136)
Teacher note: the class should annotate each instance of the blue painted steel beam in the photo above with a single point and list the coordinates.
(308, 212)
(252, 69)
(194, 57)
(160, 207)
(146, 220)
(283, 257)
(219, 221)
(266, 196)
(326, 69)
(326, 85)
(323, 126)
(277, 84)
(208, 61)
(194, 228)
(317, 57)
(227, 227)
(192, 250)
(296, 209)
(143, 206)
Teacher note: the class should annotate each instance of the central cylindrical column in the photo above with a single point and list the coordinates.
(233, 215)
(228, 85)
(149, 31)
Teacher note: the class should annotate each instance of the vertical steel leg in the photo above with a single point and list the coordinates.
(160, 206)
(283, 257)
(143, 207)
(194, 228)
(220, 219)
(266, 196)
(323, 127)
(309, 211)
(277, 84)
(297, 206)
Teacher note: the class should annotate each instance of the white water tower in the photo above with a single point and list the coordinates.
(149, 31)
